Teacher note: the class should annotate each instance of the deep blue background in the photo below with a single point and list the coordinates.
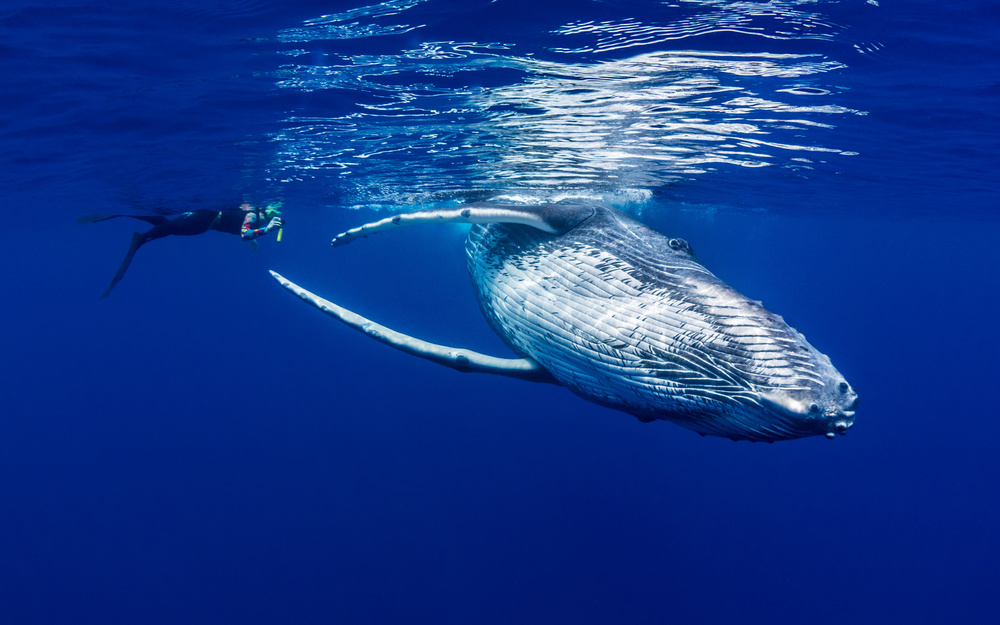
(200, 447)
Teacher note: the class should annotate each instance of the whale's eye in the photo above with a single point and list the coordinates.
(844, 386)
(814, 408)
(675, 244)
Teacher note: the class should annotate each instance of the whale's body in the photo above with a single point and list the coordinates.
(627, 318)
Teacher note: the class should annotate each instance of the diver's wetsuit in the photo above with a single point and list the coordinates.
(196, 222)
(232, 221)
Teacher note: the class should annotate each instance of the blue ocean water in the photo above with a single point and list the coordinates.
(201, 448)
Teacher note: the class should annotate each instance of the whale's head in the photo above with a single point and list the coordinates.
(823, 404)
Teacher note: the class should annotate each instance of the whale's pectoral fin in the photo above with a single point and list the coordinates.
(551, 218)
(460, 359)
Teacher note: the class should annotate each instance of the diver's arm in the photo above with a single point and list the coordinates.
(248, 232)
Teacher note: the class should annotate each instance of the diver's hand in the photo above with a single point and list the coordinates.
(275, 223)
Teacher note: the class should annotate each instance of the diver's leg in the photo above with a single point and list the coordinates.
(187, 224)
(155, 220)
(138, 239)
(551, 218)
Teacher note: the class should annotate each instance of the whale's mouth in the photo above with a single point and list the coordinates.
(842, 420)
(810, 418)
(840, 426)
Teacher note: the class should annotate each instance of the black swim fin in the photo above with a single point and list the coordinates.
(96, 217)
(91, 219)
(137, 242)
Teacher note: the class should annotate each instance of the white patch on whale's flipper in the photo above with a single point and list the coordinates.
(460, 359)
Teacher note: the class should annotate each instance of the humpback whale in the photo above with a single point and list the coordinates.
(626, 317)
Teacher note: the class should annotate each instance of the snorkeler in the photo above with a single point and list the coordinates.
(242, 221)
